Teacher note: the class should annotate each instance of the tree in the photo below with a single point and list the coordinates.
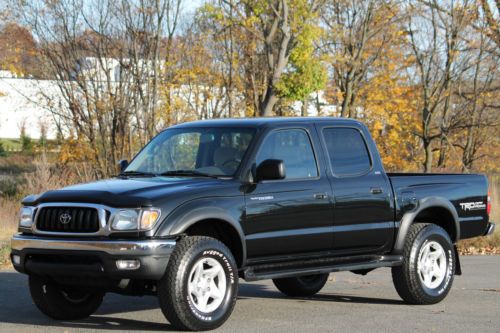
(477, 106)
(107, 61)
(387, 101)
(306, 73)
(271, 30)
(357, 32)
(492, 20)
(18, 50)
(200, 89)
(435, 36)
(26, 143)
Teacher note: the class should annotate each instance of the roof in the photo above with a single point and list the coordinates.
(264, 121)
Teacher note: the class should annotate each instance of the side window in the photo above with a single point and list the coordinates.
(294, 148)
(347, 151)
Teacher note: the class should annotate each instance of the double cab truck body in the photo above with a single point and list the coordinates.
(206, 203)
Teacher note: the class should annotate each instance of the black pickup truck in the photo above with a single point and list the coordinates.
(206, 203)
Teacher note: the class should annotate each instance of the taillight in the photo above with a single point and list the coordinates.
(488, 204)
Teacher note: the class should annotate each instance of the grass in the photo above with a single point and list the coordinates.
(11, 144)
(16, 163)
(15, 145)
(9, 210)
(5, 255)
(8, 226)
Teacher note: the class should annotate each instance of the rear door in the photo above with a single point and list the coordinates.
(293, 215)
(363, 218)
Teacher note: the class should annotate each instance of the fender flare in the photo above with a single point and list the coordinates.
(409, 218)
(195, 211)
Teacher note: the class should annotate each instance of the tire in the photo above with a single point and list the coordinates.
(301, 286)
(421, 281)
(198, 267)
(63, 303)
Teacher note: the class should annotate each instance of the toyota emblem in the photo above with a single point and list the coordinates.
(65, 218)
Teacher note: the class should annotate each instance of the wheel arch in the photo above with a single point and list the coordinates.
(436, 210)
(207, 221)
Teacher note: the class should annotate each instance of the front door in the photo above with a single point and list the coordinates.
(292, 215)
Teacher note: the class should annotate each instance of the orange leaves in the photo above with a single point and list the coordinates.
(75, 150)
(389, 108)
(18, 50)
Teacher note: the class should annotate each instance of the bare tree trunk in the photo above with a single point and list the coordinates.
(277, 56)
(305, 107)
(267, 105)
(428, 156)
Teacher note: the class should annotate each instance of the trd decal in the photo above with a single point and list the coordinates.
(478, 205)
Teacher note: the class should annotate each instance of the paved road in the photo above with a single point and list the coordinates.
(347, 303)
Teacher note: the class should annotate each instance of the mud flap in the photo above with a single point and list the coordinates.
(458, 267)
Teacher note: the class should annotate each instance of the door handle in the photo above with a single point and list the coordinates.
(376, 190)
(320, 196)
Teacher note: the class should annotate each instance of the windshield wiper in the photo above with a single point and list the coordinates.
(137, 173)
(187, 173)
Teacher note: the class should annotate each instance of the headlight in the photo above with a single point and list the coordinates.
(125, 220)
(26, 217)
(135, 219)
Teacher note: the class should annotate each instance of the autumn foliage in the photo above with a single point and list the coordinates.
(423, 75)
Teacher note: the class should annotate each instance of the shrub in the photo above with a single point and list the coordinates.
(9, 186)
(26, 143)
(3, 153)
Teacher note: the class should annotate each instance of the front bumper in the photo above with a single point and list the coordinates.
(90, 258)
(490, 229)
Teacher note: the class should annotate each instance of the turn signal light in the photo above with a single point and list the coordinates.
(149, 218)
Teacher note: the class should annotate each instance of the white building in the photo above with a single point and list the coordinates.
(25, 102)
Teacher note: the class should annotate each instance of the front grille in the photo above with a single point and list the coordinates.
(68, 219)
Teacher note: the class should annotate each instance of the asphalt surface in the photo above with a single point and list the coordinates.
(347, 303)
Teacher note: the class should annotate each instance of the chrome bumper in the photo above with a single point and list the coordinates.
(490, 229)
(90, 258)
(113, 247)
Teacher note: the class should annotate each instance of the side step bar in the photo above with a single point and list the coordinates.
(319, 266)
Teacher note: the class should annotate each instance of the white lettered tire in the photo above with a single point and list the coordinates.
(200, 286)
(428, 269)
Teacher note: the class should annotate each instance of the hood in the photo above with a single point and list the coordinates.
(127, 192)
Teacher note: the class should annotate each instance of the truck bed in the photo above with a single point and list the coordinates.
(467, 193)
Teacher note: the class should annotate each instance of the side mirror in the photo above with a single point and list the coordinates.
(270, 170)
(123, 165)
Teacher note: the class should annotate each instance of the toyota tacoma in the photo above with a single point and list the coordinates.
(208, 202)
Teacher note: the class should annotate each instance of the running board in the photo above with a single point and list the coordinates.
(319, 266)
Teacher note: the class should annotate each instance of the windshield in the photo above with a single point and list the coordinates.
(193, 151)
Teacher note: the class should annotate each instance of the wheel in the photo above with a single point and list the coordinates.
(200, 286)
(301, 286)
(428, 266)
(63, 303)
